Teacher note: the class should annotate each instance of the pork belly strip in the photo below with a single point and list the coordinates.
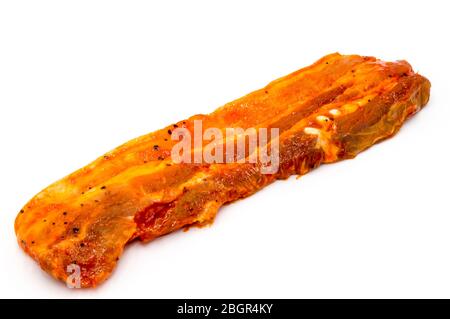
(329, 111)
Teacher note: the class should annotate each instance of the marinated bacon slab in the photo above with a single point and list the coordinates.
(329, 111)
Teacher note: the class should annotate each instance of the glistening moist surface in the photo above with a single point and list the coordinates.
(329, 111)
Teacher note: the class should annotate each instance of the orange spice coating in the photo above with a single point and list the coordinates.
(329, 111)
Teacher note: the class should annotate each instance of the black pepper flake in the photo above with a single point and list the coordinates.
(168, 164)
(155, 147)
(103, 187)
(82, 193)
(65, 213)
(82, 245)
(368, 100)
(106, 157)
(267, 92)
(326, 62)
(184, 122)
(145, 162)
(75, 230)
(160, 158)
(45, 220)
(165, 139)
(22, 211)
(169, 131)
(175, 126)
(96, 200)
(117, 259)
(23, 242)
(353, 71)
(32, 242)
(65, 223)
(81, 204)
(53, 223)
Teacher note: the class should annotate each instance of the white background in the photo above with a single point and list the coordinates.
(78, 78)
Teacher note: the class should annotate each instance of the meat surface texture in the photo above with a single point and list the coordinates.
(326, 112)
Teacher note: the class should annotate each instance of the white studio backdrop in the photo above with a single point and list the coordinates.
(78, 78)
